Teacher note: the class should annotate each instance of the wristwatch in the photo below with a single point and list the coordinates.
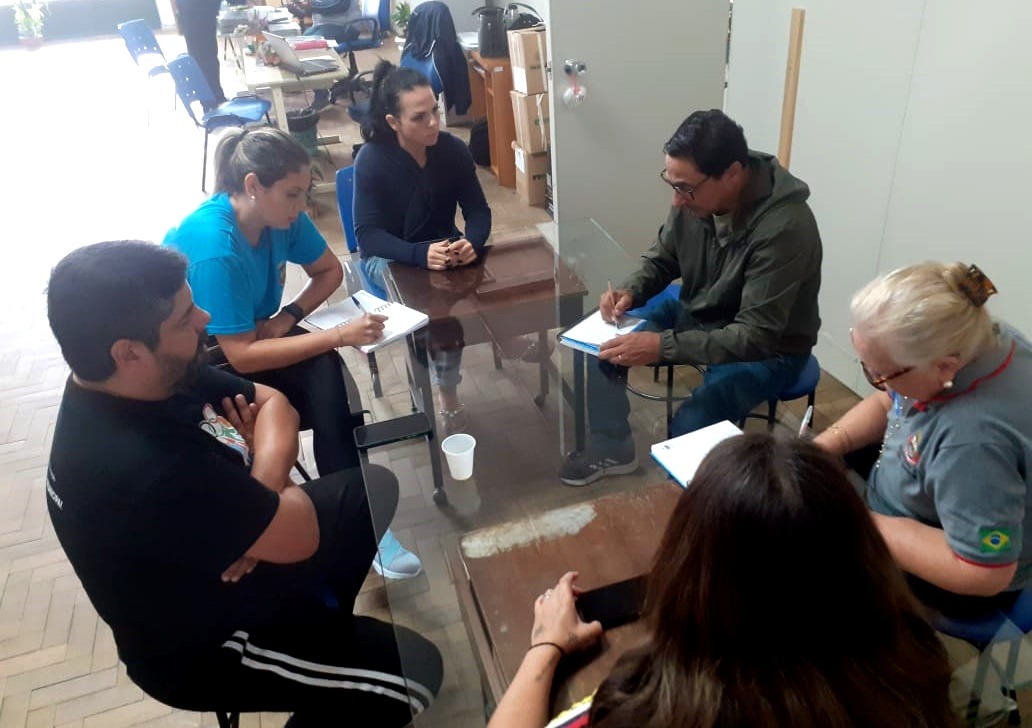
(294, 310)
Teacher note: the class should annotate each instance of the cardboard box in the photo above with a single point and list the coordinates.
(529, 57)
(531, 173)
(532, 115)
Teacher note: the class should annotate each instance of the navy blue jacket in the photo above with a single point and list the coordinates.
(400, 209)
(431, 30)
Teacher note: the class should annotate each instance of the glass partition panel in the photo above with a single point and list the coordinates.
(489, 367)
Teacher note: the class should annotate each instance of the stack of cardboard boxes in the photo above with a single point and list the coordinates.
(530, 105)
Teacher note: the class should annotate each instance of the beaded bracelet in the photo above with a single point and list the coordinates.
(562, 652)
(845, 436)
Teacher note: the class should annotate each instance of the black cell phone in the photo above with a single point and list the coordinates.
(613, 604)
(388, 431)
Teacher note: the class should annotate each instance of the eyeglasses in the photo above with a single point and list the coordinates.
(683, 191)
(880, 382)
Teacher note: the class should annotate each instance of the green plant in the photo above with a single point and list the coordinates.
(400, 17)
(29, 16)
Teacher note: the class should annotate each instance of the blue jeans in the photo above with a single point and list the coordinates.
(446, 356)
(728, 391)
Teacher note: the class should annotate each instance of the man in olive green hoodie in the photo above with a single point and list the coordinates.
(744, 242)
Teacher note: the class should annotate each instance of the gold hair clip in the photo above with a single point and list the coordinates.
(977, 286)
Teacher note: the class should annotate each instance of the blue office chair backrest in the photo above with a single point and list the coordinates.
(139, 39)
(425, 66)
(345, 205)
(191, 86)
(379, 9)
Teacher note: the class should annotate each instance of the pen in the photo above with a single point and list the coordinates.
(806, 420)
(358, 303)
(616, 319)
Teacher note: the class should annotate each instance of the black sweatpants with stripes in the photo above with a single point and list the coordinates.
(299, 648)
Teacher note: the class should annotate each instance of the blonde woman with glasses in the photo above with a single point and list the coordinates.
(947, 438)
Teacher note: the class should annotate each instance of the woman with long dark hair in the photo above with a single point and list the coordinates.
(409, 179)
(773, 601)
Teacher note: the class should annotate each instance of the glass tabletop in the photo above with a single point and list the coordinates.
(493, 337)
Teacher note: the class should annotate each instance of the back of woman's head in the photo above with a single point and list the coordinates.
(269, 153)
(389, 83)
(774, 601)
(926, 311)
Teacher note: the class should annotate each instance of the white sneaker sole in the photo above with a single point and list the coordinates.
(624, 469)
(388, 574)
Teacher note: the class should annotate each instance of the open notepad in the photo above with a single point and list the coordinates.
(401, 320)
(592, 332)
(681, 456)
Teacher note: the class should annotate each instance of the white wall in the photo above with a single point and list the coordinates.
(891, 116)
(461, 11)
(643, 79)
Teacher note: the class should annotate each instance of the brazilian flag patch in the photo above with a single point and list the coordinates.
(994, 540)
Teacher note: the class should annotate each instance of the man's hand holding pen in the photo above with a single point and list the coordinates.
(614, 304)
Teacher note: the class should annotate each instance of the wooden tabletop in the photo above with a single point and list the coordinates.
(500, 570)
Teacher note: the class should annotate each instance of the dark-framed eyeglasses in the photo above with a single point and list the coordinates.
(880, 382)
(683, 191)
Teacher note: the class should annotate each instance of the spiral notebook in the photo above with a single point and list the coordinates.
(401, 320)
(593, 331)
(681, 456)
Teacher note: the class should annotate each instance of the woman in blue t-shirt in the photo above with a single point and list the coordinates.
(238, 243)
(409, 179)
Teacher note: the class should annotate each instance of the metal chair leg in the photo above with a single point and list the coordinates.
(374, 372)
(204, 164)
(981, 669)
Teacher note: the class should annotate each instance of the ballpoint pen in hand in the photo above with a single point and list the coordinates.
(806, 420)
(354, 299)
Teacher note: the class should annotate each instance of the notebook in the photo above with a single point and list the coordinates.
(290, 61)
(401, 320)
(681, 456)
(592, 332)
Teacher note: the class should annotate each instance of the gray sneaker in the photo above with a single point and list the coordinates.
(598, 461)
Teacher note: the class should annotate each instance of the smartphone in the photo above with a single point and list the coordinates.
(613, 604)
(388, 431)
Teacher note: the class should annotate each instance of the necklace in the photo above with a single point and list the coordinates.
(895, 423)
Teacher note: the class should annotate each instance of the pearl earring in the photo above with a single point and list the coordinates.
(252, 197)
(948, 384)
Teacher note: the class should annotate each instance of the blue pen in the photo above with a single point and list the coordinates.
(358, 303)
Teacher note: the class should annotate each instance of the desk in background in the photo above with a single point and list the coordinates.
(490, 81)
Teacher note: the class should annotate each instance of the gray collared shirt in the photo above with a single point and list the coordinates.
(963, 462)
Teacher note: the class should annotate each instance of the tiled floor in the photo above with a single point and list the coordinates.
(86, 161)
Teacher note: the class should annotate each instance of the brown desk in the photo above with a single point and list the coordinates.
(519, 286)
(490, 81)
(500, 570)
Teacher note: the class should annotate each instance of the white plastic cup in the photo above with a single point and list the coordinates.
(458, 451)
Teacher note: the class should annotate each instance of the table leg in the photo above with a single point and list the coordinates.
(542, 343)
(418, 343)
(280, 106)
(578, 399)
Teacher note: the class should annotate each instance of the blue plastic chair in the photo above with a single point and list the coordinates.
(345, 207)
(425, 66)
(1003, 626)
(805, 385)
(192, 87)
(143, 46)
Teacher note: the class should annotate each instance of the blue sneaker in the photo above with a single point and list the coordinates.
(394, 561)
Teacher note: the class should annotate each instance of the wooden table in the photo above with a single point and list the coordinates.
(276, 80)
(490, 81)
(519, 286)
(500, 570)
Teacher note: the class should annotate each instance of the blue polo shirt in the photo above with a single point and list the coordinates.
(234, 281)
